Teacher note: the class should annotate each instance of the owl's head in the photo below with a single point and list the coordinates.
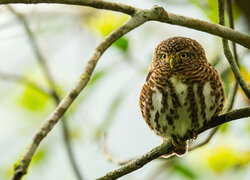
(179, 53)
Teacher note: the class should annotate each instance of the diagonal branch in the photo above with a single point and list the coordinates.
(167, 147)
(158, 14)
(22, 165)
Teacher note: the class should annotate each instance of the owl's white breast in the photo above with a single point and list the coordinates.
(183, 123)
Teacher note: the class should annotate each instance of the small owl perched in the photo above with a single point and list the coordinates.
(182, 92)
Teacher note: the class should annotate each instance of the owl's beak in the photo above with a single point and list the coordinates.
(171, 62)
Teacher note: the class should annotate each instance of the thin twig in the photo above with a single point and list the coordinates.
(236, 84)
(34, 46)
(167, 147)
(110, 157)
(229, 55)
(24, 80)
(206, 141)
(164, 16)
(53, 93)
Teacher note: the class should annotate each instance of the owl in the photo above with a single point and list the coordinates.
(182, 92)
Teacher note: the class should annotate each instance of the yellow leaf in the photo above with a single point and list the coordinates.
(244, 72)
(223, 158)
(105, 22)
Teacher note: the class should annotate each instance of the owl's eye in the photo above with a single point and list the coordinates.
(183, 55)
(163, 57)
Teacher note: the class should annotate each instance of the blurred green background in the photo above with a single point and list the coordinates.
(108, 105)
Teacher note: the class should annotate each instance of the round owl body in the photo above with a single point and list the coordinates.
(182, 91)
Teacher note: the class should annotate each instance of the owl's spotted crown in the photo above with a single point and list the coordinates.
(177, 44)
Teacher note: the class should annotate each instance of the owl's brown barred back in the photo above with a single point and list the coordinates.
(182, 92)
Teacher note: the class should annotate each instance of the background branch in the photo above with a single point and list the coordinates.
(167, 147)
(236, 84)
(53, 93)
(229, 55)
(158, 14)
(24, 80)
(207, 140)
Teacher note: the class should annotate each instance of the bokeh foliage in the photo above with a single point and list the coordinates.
(219, 159)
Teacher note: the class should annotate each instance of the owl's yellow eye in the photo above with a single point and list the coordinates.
(183, 55)
(163, 57)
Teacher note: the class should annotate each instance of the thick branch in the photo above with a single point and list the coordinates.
(158, 14)
(98, 4)
(167, 147)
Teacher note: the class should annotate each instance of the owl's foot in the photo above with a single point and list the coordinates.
(180, 148)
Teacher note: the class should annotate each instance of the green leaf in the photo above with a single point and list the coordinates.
(248, 126)
(39, 156)
(97, 76)
(32, 99)
(209, 8)
(122, 44)
(223, 128)
(185, 171)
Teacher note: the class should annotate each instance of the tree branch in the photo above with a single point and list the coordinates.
(158, 14)
(167, 147)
